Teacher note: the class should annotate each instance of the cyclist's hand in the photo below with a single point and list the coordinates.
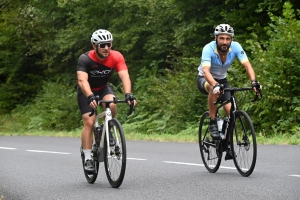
(129, 98)
(256, 86)
(92, 101)
(216, 89)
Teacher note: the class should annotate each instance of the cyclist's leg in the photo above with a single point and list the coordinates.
(107, 93)
(225, 96)
(207, 89)
(86, 134)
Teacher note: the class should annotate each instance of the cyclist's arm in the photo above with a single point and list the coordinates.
(249, 70)
(242, 56)
(124, 76)
(208, 77)
(82, 78)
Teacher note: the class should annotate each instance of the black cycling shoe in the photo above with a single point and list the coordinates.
(89, 166)
(228, 155)
(112, 141)
(213, 129)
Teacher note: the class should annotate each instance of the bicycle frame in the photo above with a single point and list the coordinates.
(107, 116)
(233, 107)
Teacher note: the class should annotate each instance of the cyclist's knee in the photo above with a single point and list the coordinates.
(87, 120)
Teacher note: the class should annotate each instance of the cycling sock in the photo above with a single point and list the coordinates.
(87, 154)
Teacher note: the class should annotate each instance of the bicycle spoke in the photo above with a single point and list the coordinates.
(209, 154)
(115, 157)
(244, 144)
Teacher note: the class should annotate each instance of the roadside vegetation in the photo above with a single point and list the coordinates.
(40, 42)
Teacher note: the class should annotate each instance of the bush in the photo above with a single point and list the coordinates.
(279, 72)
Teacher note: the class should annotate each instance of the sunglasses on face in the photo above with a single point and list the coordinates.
(103, 45)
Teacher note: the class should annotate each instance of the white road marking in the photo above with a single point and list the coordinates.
(170, 162)
(295, 175)
(136, 159)
(8, 148)
(182, 163)
(38, 151)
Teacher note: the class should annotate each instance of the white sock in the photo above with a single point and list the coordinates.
(87, 154)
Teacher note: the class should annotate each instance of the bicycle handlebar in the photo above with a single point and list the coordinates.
(233, 90)
(115, 101)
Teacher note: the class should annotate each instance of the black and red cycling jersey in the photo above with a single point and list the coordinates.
(99, 72)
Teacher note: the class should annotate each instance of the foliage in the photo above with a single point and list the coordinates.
(55, 108)
(40, 42)
(279, 72)
(168, 105)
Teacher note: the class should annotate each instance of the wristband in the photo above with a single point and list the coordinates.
(217, 84)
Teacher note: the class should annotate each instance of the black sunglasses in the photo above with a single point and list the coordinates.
(103, 45)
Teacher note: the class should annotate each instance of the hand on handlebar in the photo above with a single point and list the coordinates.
(92, 100)
(216, 89)
(256, 87)
(130, 99)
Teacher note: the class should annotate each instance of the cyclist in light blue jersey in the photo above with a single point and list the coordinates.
(217, 56)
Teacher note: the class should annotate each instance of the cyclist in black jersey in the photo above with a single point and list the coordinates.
(94, 69)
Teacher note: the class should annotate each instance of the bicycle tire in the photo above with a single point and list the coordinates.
(243, 145)
(115, 160)
(91, 178)
(209, 153)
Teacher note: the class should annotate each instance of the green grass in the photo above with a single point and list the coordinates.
(278, 139)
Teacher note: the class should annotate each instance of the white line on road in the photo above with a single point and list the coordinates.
(8, 148)
(136, 159)
(295, 175)
(182, 163)
(38, 151)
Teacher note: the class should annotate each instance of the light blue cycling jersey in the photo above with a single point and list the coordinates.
(211, 58)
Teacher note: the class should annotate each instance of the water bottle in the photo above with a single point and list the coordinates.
(98, 132)
(220, 126)
(225, 125)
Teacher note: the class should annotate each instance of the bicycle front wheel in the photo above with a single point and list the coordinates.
(210, 155)
(115, 156)
(243, 145)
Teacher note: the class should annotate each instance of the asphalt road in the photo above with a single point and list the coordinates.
(42, 168)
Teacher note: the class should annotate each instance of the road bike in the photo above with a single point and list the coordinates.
(113, 156)
(237, 135)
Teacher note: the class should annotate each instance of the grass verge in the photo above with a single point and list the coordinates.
(276, 139)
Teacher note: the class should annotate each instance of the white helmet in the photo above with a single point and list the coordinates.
(224, 29)
(100, 36)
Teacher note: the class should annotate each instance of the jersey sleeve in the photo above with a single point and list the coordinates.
(120, 62)
(81, 65)
(206, 56)
(241, 54)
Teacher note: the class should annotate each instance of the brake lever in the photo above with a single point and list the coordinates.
(94, 109)
(257, 95)
(131, 109)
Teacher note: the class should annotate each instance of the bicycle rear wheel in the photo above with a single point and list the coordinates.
(91, 178)
(115, 158)
(210, 155)
(243, 145)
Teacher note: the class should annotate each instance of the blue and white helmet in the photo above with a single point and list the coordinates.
(224, 29)
(100, 36)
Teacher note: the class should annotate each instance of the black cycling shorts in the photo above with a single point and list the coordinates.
(83, 101)
(201, 81)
